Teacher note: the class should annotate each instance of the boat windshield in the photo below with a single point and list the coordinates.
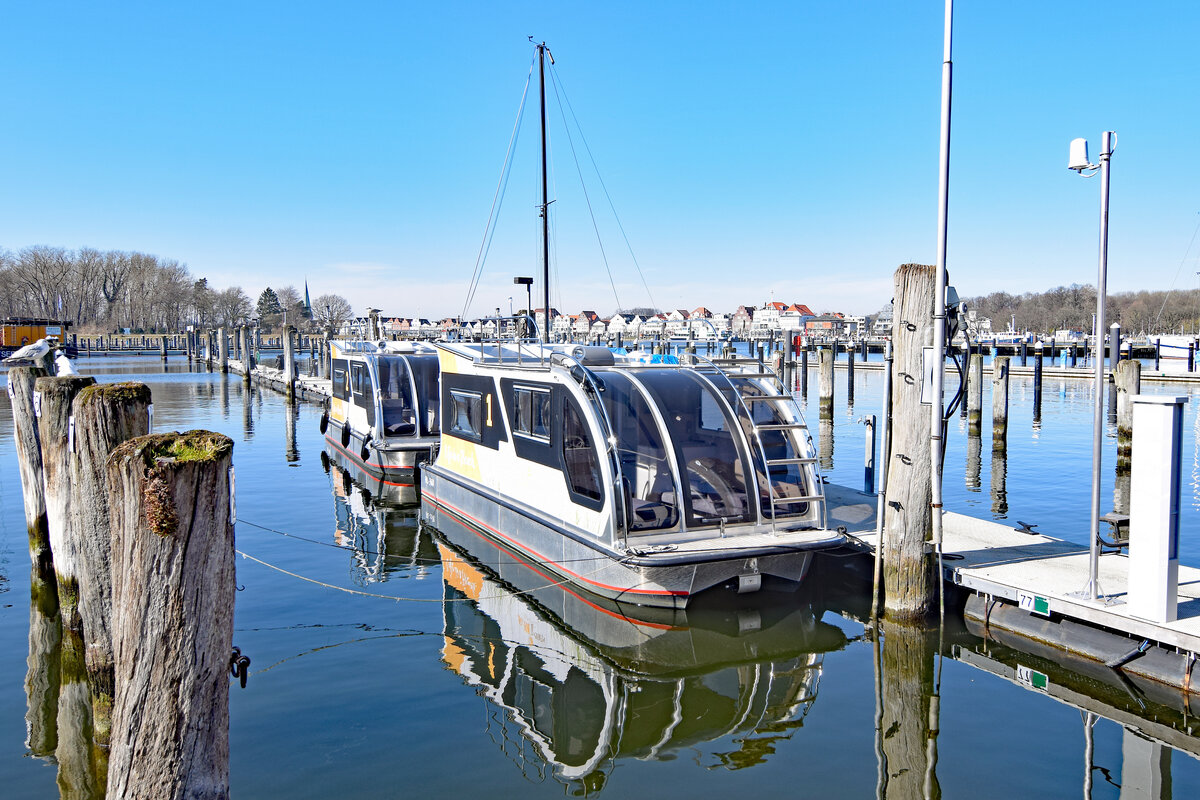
(396, 397)
(641, 449)
(427, 382)
(709, 453)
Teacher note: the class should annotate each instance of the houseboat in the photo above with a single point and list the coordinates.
(383, 414)
(637, 478)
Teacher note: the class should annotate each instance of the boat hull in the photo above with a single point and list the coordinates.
(388, 471)
(661, 578)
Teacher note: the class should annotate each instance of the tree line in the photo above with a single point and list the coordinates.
(115, 290)
(1072, 307)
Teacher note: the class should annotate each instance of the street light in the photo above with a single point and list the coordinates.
(528, 284)
(1079, 162)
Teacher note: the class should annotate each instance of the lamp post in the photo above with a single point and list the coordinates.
(528, 284)
(1079, 162)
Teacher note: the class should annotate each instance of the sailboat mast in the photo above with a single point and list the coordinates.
(545, 201)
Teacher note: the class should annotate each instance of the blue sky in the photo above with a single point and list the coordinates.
(748, 148)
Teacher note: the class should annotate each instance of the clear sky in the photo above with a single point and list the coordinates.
(748, 148)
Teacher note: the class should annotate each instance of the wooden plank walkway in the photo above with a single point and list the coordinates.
(993, 558)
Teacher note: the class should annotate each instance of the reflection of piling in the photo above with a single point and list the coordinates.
(1128, 383)
(291, 453)
(974, 402)
(105, 416)
(908, 729)
(29, 461)
(825, 444)
(1000, 403)
(999, 482)
(55, 424)
(42, 677)
(173, 585)
(974, 467)
(825, 382)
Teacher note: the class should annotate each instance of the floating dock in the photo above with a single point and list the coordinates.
(1034, 585)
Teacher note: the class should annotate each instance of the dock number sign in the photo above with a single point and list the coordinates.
(1034, 603)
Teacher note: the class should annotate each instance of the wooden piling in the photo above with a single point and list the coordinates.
(223, 349)
(1000, 403)
(55, 424)
(21, 382)
(825, 382)
(1037, 383)
(849, 374)
(804, 371)
(173, 591)
(162, 347)
(975, 395)
(289, 362)
(105, 415)
(1128, 382)
(908, 568)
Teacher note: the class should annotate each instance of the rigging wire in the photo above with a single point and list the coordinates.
(1178, 269)
(587, 199)
(489, 230)
(612, 206)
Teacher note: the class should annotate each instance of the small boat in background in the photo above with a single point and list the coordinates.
(383, 415)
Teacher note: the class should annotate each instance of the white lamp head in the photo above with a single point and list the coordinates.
(1079, 156)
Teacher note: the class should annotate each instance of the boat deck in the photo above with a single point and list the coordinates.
(996, 559)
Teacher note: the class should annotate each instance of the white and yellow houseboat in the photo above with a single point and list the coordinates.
(636, 478)
(383, 415)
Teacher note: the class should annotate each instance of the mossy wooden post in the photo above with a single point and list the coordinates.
(825, 382)
(105, 415)
(1128, 381)
(975, 395)
(1000, 403)
(908, 568)
(57, 439)
(29, 462)
(908, 725)
(173, 596)
(289, 361)
(223, 349)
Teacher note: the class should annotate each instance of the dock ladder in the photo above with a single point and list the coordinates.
(738, 378)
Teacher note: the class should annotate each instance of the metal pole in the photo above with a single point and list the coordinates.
(939, 302)
(1098, 411)
(545, 196)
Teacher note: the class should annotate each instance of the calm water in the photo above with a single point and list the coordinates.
(403, 669)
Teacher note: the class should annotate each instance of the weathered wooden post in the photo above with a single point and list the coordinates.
(173, 590)
(223, 349)
(1000, 403)
(975, 395)
(1128, 382)
(804, 371)
(105, 415)
(21, 382)
(244, 344)
(289, 362)
(55, 433)
(908, 568)
(162, 347)
(825, 382)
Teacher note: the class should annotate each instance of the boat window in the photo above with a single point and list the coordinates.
(711, 457)
(466, 414)
(580, 464)
(427, 379)
(396, 398)
(340, 388)
(646, 472)
(532, 412)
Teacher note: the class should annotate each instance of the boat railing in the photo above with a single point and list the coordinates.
(522, 336)
(781, 394)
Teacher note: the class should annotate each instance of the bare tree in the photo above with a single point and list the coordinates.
(331, 311)
(232, 307)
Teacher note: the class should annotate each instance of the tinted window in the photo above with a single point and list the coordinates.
(466, 414)
(580, 465)
(340, 387)
(532, 416)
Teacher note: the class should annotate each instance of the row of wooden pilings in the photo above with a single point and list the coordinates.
(132, 541)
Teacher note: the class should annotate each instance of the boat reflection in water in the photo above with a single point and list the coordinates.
(384, 537)
(587, 681)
